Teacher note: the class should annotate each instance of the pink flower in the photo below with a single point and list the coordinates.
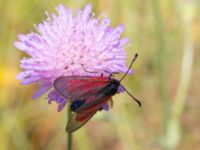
(67, 45)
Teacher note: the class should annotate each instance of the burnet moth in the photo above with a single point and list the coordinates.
(88, 94)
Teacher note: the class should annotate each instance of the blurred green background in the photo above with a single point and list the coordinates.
(165, 33)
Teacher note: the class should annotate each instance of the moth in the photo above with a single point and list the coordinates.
(88, 94)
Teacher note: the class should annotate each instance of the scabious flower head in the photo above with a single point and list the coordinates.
(64, 43)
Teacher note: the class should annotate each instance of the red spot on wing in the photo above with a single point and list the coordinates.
(73, 124)
(84, 117)
(84, 113)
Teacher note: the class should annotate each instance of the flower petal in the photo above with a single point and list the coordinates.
(105, 106)
(42, 89)
(86, 12)
(62, 105)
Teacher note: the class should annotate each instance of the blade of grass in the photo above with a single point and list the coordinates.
(173, 135)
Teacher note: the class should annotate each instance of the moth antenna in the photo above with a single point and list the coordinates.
(133, 60)
(139, 103)
(87, 70)
(94, 71)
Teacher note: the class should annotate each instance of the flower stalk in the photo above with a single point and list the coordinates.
(69, 134)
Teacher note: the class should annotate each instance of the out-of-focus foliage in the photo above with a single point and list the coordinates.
(165, 33)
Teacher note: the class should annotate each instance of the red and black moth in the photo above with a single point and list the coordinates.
(88, 94)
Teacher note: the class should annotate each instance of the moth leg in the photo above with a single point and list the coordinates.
(101, 108)
(111, 103)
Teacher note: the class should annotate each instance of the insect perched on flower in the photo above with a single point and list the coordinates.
(75, 52)
(88, 94)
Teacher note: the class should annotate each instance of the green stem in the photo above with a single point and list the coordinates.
(69, 135)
